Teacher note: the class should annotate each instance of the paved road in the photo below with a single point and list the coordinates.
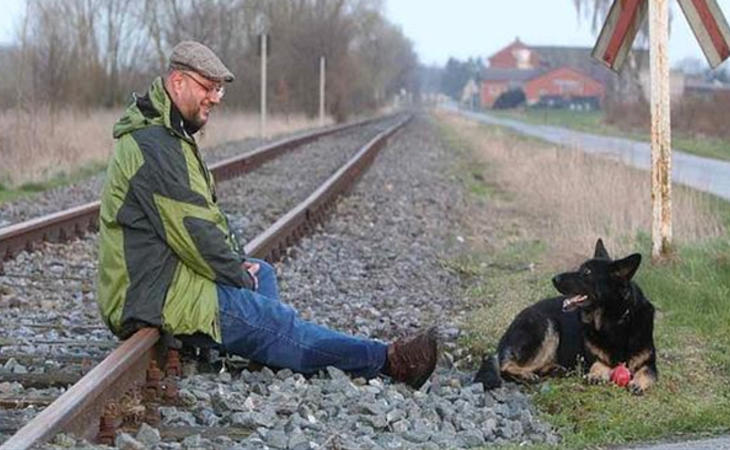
(705, 174)
(719, 443)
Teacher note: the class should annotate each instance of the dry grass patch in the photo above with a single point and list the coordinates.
(575, 198)
(35, 146)
(38, 145)
(226, 126)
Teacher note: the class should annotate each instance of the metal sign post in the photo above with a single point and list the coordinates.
(321, 90)
(264, 54)
(661, 150)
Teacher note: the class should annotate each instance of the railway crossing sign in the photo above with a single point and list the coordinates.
(710, 28)
(623, 22)
(626, 17)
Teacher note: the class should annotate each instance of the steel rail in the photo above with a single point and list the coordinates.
(79, 409)
(295, 223)
(76, 221)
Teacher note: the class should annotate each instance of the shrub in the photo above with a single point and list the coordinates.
(510, 99)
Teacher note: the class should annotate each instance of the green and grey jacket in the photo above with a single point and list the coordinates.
(163, 241)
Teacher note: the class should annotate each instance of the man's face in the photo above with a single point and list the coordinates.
(197, 97)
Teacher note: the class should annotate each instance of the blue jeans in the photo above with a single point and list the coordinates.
(258, 326)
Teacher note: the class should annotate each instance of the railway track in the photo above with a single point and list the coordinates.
(84, 408)
(60, 226)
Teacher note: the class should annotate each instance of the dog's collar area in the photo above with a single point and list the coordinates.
(627, 297)
(625, 315)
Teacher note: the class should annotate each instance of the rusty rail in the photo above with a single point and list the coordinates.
(53, 227)
(79, 410)
(291, 226)
(76, 221)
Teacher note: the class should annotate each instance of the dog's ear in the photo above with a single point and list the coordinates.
(626, 268)
(600, 251)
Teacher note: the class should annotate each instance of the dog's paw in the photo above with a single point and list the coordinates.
(532, 378)
(600, 373)
(635, 388)
(592, 378)
(528, 378)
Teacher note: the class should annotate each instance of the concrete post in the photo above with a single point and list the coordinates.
(321, 90)
(661, 150)
(264, 51)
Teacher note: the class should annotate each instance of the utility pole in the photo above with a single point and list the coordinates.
(661, 150)
(321, 90)
(264, 51)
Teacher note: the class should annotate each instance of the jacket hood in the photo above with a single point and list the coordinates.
(154, 108)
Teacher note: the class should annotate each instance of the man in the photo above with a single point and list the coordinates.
(168, 259)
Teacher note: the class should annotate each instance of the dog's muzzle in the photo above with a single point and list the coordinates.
(571, 303)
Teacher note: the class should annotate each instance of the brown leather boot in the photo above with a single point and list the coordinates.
(412, 360)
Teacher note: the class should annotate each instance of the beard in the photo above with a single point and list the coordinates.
(196, 121)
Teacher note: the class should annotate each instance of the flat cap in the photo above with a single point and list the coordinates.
(191, 55)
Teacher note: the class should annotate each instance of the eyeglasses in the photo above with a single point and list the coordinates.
(216, 91)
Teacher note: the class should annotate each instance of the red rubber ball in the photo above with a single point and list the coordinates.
(620, 375)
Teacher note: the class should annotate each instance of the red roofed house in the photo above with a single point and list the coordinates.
(566, 73)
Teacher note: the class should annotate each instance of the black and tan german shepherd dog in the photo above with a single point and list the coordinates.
(601, 320)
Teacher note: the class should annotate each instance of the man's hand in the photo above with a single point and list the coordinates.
(253, 269)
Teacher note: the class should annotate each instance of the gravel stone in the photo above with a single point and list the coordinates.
(207, 417)
(472, 438)
(196, 442)
(277, 439)
(126, 442)
(148, 436)
(297, 440)
(173, 416)
(64, 440)
(488, 428)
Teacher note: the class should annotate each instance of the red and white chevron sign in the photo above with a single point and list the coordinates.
(623, 22)
(626, 16)
(710, 28)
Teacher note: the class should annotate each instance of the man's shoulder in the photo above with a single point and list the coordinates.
(153, 141)
(154, 146)
(153, 135)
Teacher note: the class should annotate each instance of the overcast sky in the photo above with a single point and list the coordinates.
(464, 28)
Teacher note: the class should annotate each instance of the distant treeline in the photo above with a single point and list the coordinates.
(91, 53)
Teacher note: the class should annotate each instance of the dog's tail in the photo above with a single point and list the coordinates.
(488, 373)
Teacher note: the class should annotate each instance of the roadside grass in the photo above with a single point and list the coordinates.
(588, 121)
(514, 254)
(593, 122)
(60, 179)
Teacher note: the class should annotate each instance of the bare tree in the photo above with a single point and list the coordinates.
(593, 10)
(93, 52)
